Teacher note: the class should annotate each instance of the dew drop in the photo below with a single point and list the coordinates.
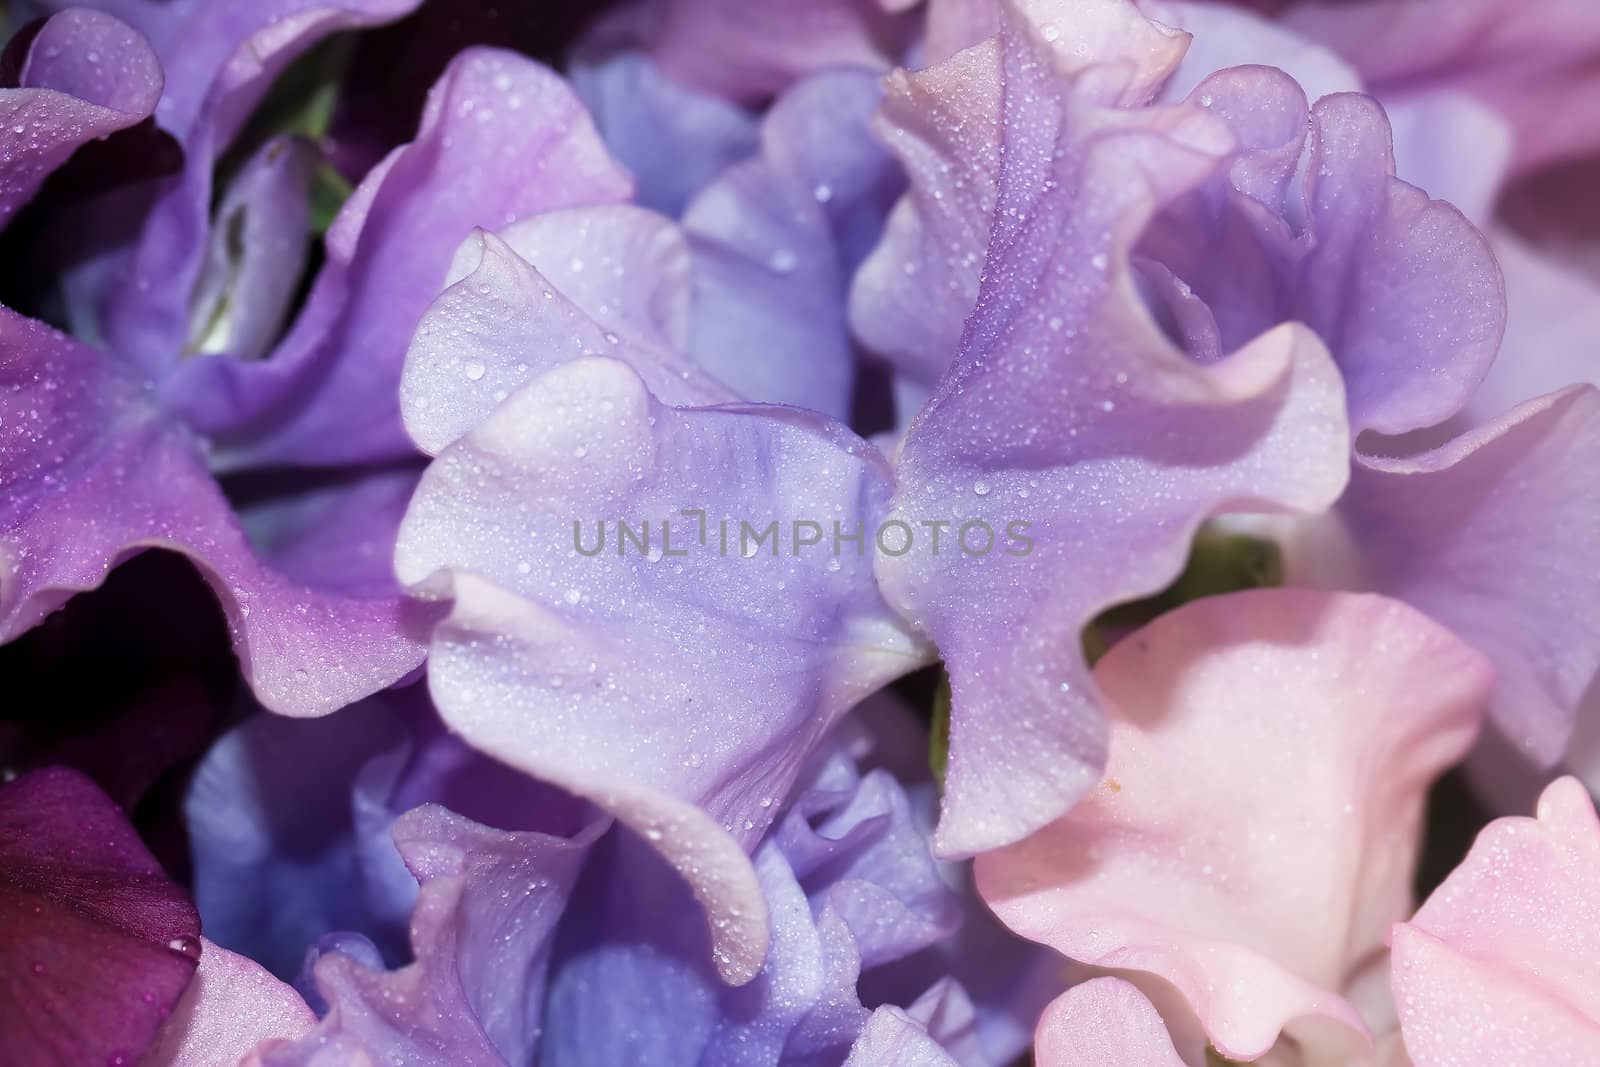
(186, 946)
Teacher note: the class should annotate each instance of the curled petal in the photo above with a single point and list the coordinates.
(1552, 330)
(63, 101)
(1499, 966)
(92, 472)
(849, 885)
(561, 659)
(942, 123)
(96, 943)
(1345, 708)
(1404, 289)
(1490, 534)
(892, 1038)
(232, 1006)
(946, 125)
(1105, 1022)
(1070, 423)
(488, 906)
(257, 252)
(1225, 35)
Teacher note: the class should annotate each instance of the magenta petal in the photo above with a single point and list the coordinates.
(562, 663)
(64, 101)
(1491, 535)
(1068, 411)
(97, 943)
(232, 1006)
(91, 472)
(502, 138)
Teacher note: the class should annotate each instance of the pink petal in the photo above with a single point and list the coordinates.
(232, 1005)
(1105, 1022)
(1502, 964)
(1306, 729)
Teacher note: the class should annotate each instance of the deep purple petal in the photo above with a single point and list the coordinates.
(98, 943)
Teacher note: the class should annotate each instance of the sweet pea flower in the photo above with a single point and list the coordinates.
(1314, 227)
(302, 573)
(1255, 834)
(550, 484)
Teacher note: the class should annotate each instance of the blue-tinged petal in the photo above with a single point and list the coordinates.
(563, 662)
